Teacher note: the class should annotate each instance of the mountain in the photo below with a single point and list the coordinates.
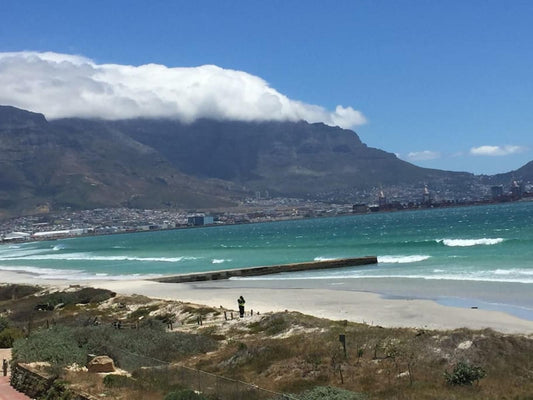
(284, 158)
(524, 174)
(88, 164)
(159, 163)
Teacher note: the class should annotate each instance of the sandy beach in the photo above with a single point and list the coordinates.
(362, 301)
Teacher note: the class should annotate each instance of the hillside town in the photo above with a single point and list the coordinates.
(105, 221)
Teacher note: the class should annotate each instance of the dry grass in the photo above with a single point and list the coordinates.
(292, 352)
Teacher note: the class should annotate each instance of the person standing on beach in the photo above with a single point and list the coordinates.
(240, 302)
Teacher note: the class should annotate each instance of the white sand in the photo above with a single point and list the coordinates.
(335, 304)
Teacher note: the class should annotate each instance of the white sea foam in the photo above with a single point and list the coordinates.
(402, 259)
(58, 247)
(89, 257)
(70, 274)
(324, 258)
(470, 242)
(514, 271)
(449, 277)
(219, 261)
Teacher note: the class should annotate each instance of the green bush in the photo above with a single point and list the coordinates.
(464, 374)
(13, 292)
(330, 393)
(114, 380)
(271, 324)
(58, 391)
(129, 348)
(4, 323)
(57, 345)
(8, 337)
(185, 394)
(83, 296)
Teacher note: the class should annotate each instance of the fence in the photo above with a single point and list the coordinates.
(164, 374)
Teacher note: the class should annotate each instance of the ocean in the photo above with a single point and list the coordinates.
(466, 245)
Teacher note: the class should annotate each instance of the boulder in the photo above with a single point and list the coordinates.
(101, 364)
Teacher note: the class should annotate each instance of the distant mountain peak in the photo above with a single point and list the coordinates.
(15, 118)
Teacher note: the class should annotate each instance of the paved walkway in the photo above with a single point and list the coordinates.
(6, 391)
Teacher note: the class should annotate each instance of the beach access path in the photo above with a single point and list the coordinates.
(6, 391)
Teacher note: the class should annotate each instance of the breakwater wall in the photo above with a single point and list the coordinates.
(267, 270)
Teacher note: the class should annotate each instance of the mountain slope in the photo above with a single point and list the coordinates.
(86, 164)
(285, 158)
(156, 163)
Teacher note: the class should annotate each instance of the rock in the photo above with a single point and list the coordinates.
(101, 364)
(465, 345)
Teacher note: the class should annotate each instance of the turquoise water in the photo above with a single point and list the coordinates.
(485, 243)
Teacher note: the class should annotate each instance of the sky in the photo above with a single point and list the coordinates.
(442, 84)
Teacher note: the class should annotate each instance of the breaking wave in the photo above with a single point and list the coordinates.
(469, 242)
(324, 258)
(219, 261)
(402, 259)
(88, 257)
(70, 274)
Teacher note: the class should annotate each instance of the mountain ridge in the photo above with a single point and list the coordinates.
(163, 163)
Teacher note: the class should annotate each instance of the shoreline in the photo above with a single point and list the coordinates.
(402, 303)
(338, 215)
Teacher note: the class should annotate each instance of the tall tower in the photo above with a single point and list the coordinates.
(382, 200)
(427, 196)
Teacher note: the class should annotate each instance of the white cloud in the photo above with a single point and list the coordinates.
(496, 150)
(423, 155)
(63, 85)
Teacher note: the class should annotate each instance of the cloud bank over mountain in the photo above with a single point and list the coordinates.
(63, 85)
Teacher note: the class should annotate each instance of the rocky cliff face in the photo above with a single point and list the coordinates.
(283, 158)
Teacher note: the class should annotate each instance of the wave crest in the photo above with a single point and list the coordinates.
(470, 242)
(88, 257)
(402, 259)
(324, 258)
(219, 261)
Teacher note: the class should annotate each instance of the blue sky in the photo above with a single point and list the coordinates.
(443, 84)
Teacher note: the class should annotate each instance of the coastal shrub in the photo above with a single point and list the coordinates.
(142, 312)
(464, 374)
(13, 292)
(4, 323)
(119, 381)
(146, 346)
(330, 393)
(185, 394)
(57, 346)
(271, 324)
(58, 391)
(8, 337)
(82, 296)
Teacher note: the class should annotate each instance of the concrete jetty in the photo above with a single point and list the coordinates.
(267, 270)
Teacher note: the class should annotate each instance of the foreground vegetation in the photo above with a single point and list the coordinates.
(283, 353)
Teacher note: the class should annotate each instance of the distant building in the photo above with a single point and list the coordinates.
(382, 200)
(200, 220)
(16, 236)
(426, 199)
(360, 208)
(517, 190)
